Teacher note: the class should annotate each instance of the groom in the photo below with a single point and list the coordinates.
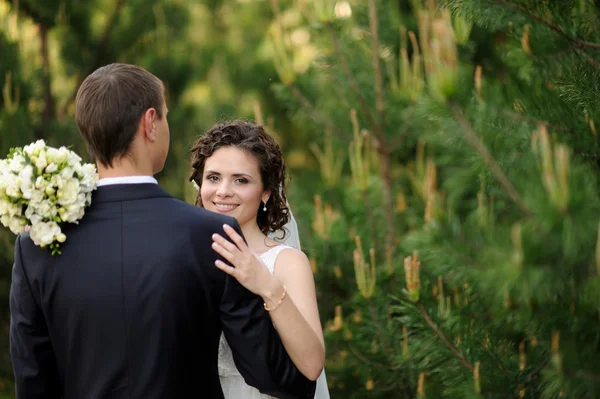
(134, 306)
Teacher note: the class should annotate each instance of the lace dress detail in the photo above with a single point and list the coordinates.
(232, 383)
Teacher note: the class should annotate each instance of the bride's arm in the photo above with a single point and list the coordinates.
(296, 318)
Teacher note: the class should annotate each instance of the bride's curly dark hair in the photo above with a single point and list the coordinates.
(256, 141)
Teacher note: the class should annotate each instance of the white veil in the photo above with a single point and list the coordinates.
(292, 239)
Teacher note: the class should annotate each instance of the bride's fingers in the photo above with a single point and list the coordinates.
(235, 237)
(225, 243)
(226, 268)
(223, 252)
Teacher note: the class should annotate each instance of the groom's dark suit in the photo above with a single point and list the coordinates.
(134, 307)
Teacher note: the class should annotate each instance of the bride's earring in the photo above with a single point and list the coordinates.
(265, 207)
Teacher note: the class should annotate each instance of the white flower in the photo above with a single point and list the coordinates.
(16, 163)
(35, 148)
(15, 209)
(63, 155)
(51, 168)
(4, 205)
(195, 185)
(67, 172)
(13, 190)
(89, 177)
(44, 233)
(4, 182)
(17, 225)
(67, 191)
(5, 220)
(72, 156)
(41, 183)
(26, 181)
(71, 213)
(56, 186)
(47, 209)
(40, 161)
(56, 181)
(14, 223)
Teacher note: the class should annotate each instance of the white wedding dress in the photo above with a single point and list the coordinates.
(232, 383)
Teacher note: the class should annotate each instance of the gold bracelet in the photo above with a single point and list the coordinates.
(268, 309)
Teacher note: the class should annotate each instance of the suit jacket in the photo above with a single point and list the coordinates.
(134, 307)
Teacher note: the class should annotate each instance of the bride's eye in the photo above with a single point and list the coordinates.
(241, 180)
(212, 178)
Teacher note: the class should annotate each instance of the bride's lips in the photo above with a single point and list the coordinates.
(225, 207)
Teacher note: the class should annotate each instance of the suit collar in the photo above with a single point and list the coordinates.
(128, 192)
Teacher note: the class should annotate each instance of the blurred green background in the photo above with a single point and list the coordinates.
(443, 158)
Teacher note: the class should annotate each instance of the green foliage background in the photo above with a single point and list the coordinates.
(456, 139)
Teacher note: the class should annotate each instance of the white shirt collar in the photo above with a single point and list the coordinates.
(126, 180)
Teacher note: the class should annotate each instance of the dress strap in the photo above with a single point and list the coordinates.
(270, 256)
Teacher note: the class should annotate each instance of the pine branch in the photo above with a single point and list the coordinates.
(315, 114)
(489, 159)
(365, 360)
(530, 119)
(379, 328)
(353, 85)
(402, 134)
(374, 25)
(575, 42)
(443, 338)
(100, 53)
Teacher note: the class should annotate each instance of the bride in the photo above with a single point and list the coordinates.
(240, 172)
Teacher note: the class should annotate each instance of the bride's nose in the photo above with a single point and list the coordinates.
(224, 189)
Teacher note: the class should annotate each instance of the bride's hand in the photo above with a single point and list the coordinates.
(248, 269)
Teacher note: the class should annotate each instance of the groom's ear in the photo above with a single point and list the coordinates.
(149, 124)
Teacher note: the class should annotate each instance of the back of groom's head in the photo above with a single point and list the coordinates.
(109, 105)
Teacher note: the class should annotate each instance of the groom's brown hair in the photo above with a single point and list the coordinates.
(109, 105)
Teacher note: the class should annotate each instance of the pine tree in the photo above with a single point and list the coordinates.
(455, 232)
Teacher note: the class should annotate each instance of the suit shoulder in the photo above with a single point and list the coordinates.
(201, 215)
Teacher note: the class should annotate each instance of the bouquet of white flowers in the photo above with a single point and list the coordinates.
(42, 187)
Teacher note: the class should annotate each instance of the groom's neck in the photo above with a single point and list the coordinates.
(124, 167)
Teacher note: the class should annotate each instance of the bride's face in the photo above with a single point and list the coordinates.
(232, 185)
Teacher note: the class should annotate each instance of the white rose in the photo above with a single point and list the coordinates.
(3, 184)
(4, 205)
(56, 181)
(37, 196)
(44, 234)
(63, 155)
(35, 148)
(41, 183)
(17, 163)
(40, 162)
(51, 168)
(73, 157)
(5, 220)
(35, 219)
(52, 156)
(68, 191)
(89, 177)
(67, 173)
(71, 213)
(47, 209)
(15, 209)
(12, 189)
(17, 225)
(26, 179)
